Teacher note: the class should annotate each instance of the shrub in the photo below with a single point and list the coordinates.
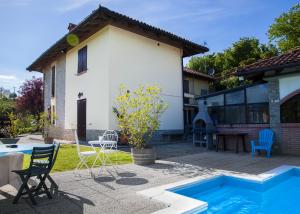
(21, 124)
(138, 113)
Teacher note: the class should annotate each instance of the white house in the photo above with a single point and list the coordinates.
(84, 69)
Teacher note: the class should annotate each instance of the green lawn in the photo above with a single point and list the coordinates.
(67, 158)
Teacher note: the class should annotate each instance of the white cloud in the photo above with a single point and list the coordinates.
(73, 4)
(206, 14)
(69, 5)
(7, 77)
(11, 78)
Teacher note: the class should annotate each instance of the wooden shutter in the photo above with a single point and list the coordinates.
(79, 61)
(53, 81)
(82, 59)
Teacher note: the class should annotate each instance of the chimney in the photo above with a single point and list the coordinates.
(71, 26)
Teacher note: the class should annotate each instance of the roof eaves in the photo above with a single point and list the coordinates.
(191, 47)
(265, 69)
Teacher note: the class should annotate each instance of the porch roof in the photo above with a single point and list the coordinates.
(285, 60)
(197, 74)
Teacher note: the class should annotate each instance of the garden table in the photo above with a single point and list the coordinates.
(106, 147)
(237, 135)
(12, 159)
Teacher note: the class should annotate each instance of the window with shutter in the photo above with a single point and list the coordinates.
(53, 81)
(82, 60)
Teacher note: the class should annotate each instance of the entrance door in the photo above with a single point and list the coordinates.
(81, 119)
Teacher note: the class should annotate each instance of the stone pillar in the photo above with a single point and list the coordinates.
(274, 110)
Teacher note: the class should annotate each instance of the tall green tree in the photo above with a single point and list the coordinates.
(7, 106)
(243, 52)
(285, 31)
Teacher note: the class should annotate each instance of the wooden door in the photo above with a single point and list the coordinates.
(81, 119)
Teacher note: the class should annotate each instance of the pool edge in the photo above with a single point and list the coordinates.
(189, 205)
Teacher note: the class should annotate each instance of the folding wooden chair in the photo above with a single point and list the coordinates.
(36, 169)
(50, 179)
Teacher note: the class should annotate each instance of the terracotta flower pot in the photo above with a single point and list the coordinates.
(48, 140)
(144, 156)
(123, 139)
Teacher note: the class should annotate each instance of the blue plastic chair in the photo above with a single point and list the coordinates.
(265, 142)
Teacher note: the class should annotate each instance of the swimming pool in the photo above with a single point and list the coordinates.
(228, 194)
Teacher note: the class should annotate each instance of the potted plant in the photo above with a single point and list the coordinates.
(139, 112)
(45, 125)
(123, 134)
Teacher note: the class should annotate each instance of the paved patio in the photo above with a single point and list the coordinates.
(117, 194)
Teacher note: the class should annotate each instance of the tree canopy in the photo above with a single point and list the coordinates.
(284, 34)
(31, 97)
(6, 106)
(285, 31)
(245, 51)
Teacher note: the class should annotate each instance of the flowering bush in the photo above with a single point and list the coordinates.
(138, 113)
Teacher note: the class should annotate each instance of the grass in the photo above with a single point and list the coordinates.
(67, 158)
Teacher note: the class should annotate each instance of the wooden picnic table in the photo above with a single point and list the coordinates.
(238, 135)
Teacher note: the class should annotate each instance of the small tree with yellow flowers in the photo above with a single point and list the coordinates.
(138, 113)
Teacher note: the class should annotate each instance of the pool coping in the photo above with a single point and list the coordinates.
(178, 204)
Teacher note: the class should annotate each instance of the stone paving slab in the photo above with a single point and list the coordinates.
(116, 192)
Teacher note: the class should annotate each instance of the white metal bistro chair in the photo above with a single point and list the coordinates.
(108, 144)
(83, 157)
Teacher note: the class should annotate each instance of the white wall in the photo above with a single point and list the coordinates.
(136, 60)
(114, 57)
(288, 84)
(93, 84)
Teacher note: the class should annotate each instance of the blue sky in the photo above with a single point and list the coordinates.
(29, 27)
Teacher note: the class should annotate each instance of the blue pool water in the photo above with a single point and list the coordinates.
(225, 194)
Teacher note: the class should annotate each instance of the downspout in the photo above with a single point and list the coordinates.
(182, 76)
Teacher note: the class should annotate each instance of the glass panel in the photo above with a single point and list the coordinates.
(186, 87)
(290, 110)
(216, 114)
(236, 97)
(204, 92)
(215, 101)
(186, 100)
(235, 114)
(258, 113)
(257, 94)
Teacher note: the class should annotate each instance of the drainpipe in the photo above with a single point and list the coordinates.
(182, 77)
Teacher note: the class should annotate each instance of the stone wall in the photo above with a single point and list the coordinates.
(274, 111)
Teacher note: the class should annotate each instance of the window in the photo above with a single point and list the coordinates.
(53, 115)
(186, 100)
(203, 92)
(235, 114)
(49, 113)
(53, 74)
(82, 60)
(258, 113)
(290, 110)
(217, 114)
(186, 86)
(236, 97)
(215, 101)
(257, 94)
(232, 107)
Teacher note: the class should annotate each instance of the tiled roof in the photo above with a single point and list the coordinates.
(197, 73)
(288, 59)
(102, 17)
